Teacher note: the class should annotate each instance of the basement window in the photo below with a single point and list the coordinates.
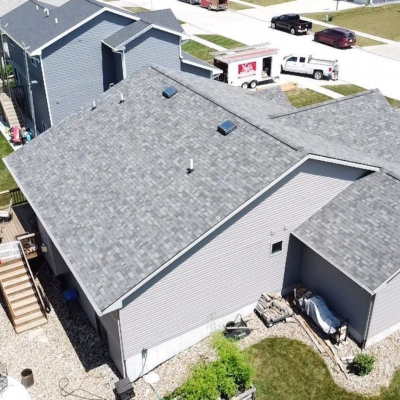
(276, 247)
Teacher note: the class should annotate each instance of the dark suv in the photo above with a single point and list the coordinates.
(337, 37)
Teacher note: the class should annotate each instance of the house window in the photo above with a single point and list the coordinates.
(34, 62)
(44, 127)
(276, 247)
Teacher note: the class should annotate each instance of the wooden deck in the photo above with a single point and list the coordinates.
(23, 220)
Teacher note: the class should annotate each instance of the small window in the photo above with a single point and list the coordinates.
(34, 62)
(294, 59)
(302, 59)
(276, 247)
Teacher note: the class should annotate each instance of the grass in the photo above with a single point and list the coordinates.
(137, 10)
(290, 370)
(237, 6)
(361, 41)
(6, 180)
(305, 97)
(379, 21)
(204, 52)
(266, 3)
(199, 50)
(221, 41)
(347, 90)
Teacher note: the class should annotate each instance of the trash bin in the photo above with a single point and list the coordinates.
(27, 377)
(328, 18)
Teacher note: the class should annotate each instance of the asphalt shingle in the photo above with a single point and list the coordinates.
(358, 231)
(117, 199)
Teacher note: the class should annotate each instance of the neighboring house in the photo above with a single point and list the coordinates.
(77, 51)
(161, 257)
(8, 5)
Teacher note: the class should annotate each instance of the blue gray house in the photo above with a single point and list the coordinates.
(78, 50)
(161, 257)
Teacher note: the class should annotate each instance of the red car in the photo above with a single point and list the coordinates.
(337, 37)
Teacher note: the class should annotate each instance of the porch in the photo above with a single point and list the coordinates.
(21, 225)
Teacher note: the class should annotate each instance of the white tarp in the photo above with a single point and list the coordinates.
(317, 309)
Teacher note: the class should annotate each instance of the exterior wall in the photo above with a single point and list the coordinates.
(38, 89)
(342, 295)
(153, 47)
(110, 323)
(229, 270)
(191, 69)
(385, 318)
(119, 72)
(75, 65)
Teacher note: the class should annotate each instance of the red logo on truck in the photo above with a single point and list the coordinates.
(247, 68)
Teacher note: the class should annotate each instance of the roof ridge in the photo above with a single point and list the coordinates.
(325, 103)
(285, 142)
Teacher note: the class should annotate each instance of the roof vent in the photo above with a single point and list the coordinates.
(46, 10)
(226, 128)
(121, 98)
(56, 20)
(169, 92)
(191, 166)
(37, 7)
(94, 106)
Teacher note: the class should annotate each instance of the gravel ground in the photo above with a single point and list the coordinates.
(59, 349)
(63, 349)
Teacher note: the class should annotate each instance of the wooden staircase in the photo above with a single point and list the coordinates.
(11, 112)
(25, 306)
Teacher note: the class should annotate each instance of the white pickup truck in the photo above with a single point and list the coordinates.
(309, 65)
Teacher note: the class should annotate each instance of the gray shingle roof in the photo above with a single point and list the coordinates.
(119, 203)
(365, 121)
(358, 231)
(8, 5)
(164, 18)
(125, 34)
(33, 27)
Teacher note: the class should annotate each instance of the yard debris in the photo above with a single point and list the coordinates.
(336, 358)
(310, 333)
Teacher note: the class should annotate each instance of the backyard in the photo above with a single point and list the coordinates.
(379, 21)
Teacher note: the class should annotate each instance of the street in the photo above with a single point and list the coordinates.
(252, 26)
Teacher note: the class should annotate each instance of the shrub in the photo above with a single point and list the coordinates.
(202, 384)
(231, 372)
(363, 364)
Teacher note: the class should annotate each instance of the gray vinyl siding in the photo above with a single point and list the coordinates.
(76, 68)
(110, 323)
(343, 296)
(154, 47)
(38, 89)
(191, 69)
(386, 311)
(233, 266)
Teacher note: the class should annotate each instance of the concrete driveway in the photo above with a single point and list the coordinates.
(363, 68)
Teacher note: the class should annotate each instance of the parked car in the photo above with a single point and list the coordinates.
(192, 2)
(301, 64)
(337, 37)
(291, 23)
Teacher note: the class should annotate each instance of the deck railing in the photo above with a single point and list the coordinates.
(15, 194)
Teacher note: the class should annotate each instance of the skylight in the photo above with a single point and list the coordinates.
(169, 92)
(226, 127)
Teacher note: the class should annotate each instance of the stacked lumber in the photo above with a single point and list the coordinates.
(272, 309)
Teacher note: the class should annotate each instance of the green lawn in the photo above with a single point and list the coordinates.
(305, 97)
(288, 369)
(137, 10)
(221, 41)
(266, 3)
(6, 180)
(361, 41)
(237, 6)
(199, 50)
(379, 21)
(347, 90)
